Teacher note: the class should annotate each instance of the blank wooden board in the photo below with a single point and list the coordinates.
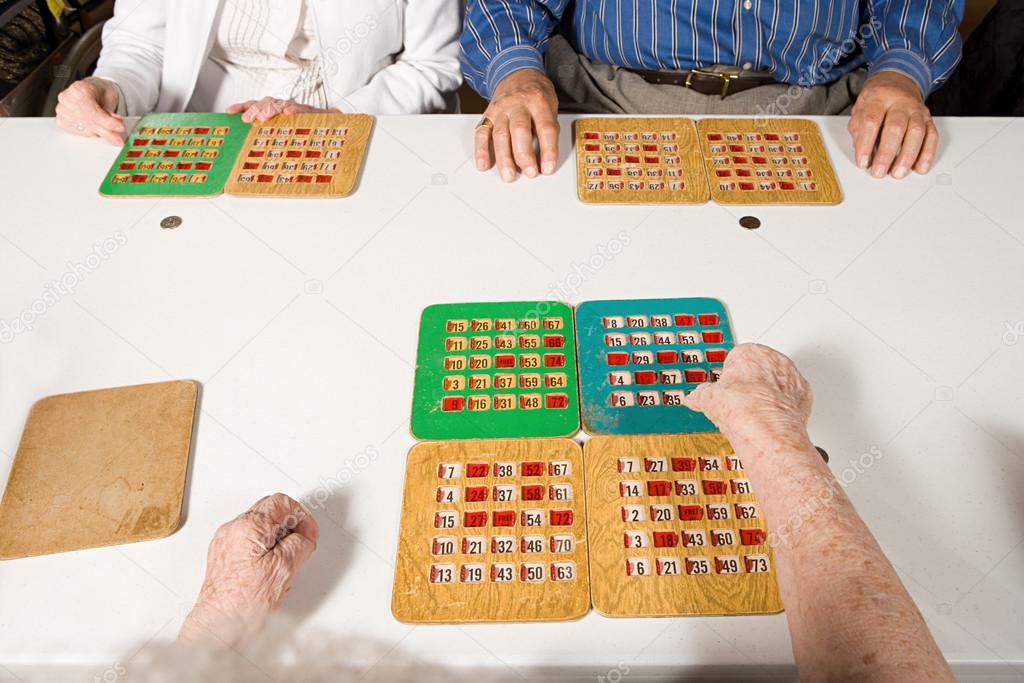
(767, 161)
(653, 549)
(98, 468)
(639, 161)
(492, 531)
(302, 155)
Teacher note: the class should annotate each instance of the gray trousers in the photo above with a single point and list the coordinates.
(586, 87)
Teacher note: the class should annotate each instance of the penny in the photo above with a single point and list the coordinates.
(750, 222)
(170, 223)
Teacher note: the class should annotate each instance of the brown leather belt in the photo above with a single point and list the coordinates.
(707, 82)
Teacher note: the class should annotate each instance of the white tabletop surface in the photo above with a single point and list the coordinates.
(904, 306)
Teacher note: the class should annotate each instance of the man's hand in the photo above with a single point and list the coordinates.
(761, 402)
(891, 112)
(87, 107)
(524, 103)
(258, 111)
(249, 569)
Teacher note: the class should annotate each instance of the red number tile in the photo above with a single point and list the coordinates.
(713, 487)
(560, 517)
(691, 513)
(659, 487)
(712, 336)
(752, 536)
(476, 494)
(554, 360)
(666, 539)
(532, 469)
(532, 492)
(618, 358)
(324, 178)
(504, 360)
(554, 341)
(697, 375)
(476, 518)
(716, 355)
(476, 470)
(450, 404)
(556, 401)
(501, 518)
(668, 357)
(646, 377)
(684, 464)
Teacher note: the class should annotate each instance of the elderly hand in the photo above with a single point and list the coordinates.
(249, 570)
(761, 401)
(891, 111)
(87, 108)
(524, 102)
(258, 111)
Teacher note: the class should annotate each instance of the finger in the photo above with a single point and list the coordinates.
(546, 125)
(502, 141)
(928, 150)
(700, 398)
(889, 143)
(254, 109)
(281, 515)
(296, 549)
(291, 108)
(869, 122)
(240, 107)
(482, 147)
(917, 128)
(521, 130)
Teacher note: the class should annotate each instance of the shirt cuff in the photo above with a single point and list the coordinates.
(908, 63)
(508, 60)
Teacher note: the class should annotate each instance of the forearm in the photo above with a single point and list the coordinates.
(919, 40)
(827, 564)
(500, 38)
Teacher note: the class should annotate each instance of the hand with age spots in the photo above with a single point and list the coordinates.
(250, 566)
(761, 401)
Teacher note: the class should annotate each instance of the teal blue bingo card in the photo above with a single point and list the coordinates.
(638, 358)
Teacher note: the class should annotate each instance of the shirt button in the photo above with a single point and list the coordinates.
(747, 4)
(748, 66)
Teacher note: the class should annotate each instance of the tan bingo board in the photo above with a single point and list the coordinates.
(639, 161)
(303, 155)
(767, 161)
(674, 529)
(492, 531)
(99, 468)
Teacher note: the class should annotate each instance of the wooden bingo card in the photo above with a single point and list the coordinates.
(492, 531)
(180, 155)
(638, 358)
(767, 161)
(303, 155)
(496, 370)
(639, 161)
(674, 529)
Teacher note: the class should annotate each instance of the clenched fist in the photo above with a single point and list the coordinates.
(249, 570)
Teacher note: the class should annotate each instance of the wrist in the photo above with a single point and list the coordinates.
(509, 62)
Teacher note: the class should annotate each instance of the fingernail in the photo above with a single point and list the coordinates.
(899, 172)
(925, 167)
(862, 163)
(530, 171)
(508, 175)
(878, 172)
(481, 165)
(548, 167)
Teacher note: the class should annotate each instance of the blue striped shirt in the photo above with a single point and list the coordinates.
(806, 42)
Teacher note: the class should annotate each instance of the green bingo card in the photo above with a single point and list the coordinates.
(496, 370)
(177, 155)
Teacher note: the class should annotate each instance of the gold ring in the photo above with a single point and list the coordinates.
(485, 122)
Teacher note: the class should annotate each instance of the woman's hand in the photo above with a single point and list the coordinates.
(258, 111)
(761, 401)
(249, 570)
(87, 108)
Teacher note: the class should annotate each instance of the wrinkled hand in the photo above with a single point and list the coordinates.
(249, 570)
(524, 103)
(891, 111)
(258, 111)
(761, 400)
(87, 108)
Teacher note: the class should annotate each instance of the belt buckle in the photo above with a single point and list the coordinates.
(726, 77)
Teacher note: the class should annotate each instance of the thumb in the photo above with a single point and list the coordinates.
(701, 398)
(295, 549)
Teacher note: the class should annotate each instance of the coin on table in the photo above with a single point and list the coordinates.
(170, 223)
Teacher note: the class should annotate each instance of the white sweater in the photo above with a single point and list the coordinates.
(379, 56)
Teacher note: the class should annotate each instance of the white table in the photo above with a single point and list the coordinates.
(904, 307)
